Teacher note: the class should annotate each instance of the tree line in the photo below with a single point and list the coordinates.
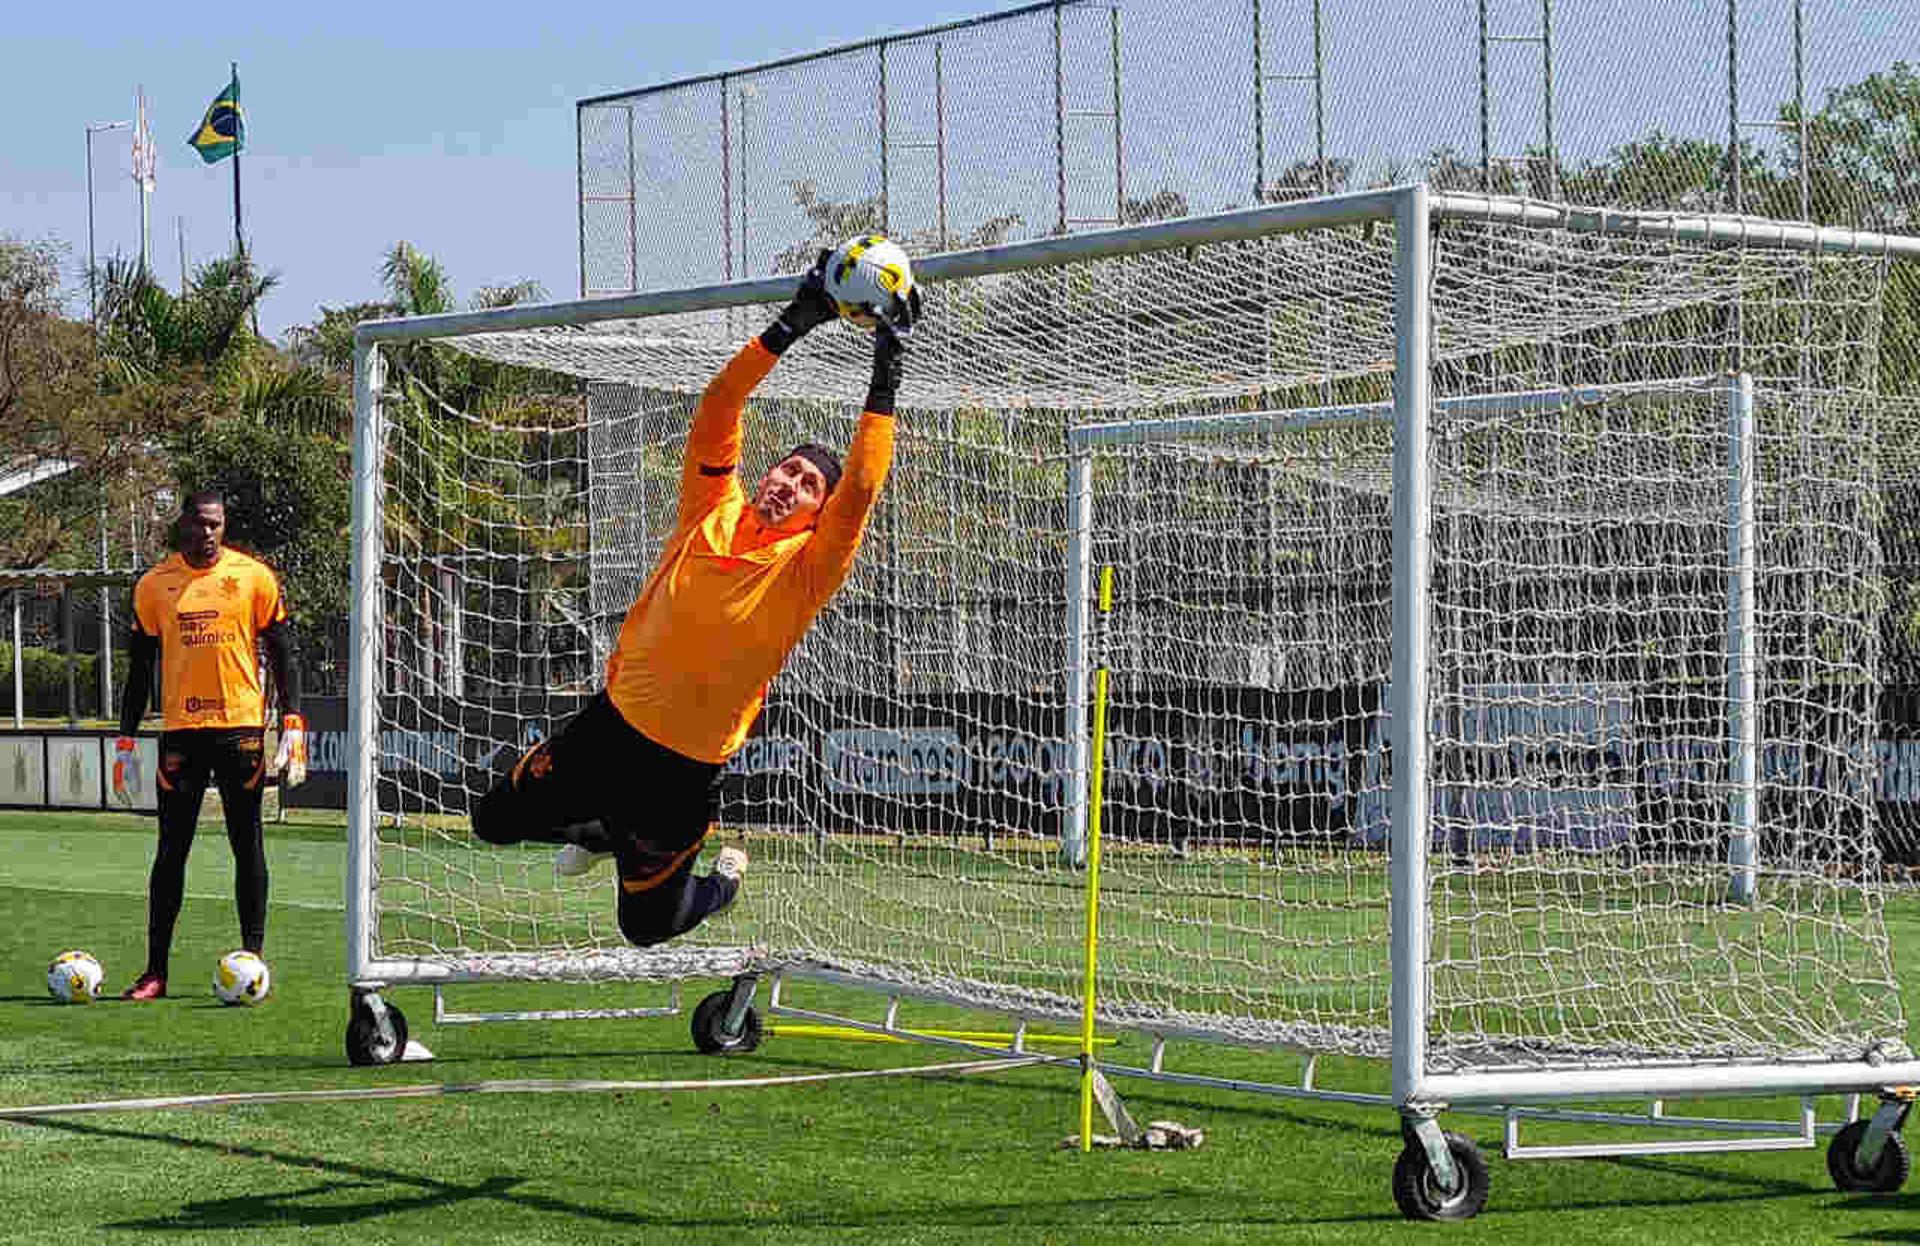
(169, 391)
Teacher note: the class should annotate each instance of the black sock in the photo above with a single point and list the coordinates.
(589, 835)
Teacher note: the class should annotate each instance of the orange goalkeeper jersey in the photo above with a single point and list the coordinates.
(722, 610)
(208, 621)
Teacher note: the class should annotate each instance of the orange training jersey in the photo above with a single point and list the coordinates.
(720, 613)
(208, 621)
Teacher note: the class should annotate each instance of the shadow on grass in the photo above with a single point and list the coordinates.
(1882, 1235)
(1740, 1188)
(1720, 1175)
(95, 1067)
(251, 1211)
(1906, 1202)
(268, 1210)
(1023, 1082)
(333, 1200)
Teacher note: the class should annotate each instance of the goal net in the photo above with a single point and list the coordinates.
(1589, 652)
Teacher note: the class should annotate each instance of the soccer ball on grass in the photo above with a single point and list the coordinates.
(241, 977)
(75, 977)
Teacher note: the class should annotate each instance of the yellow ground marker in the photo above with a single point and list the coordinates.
(985, 1038)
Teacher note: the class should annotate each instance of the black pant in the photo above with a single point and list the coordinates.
(598, 783)
(234, 758)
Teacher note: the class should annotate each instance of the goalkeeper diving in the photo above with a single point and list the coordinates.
(635, 774)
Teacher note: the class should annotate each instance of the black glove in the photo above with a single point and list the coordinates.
(890, 337)
(811, 308)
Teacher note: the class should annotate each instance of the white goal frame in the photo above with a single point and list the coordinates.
(1413, 211)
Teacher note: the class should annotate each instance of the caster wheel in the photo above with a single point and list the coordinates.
(1886, 1176)
(365, 1044)
(707, 1019)
(1420, 1196)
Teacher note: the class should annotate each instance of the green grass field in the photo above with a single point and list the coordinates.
(945, 1160)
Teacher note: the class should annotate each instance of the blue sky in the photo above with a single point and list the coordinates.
(452, 125)
(449, 125)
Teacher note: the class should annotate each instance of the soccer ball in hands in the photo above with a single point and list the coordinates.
(241, 978)
(870, 277)
(75, 977)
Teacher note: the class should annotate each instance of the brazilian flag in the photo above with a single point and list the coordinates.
(223, 131)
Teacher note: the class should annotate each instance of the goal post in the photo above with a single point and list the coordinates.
(1493, 660)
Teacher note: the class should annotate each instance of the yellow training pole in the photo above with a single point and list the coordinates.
(1093, 866)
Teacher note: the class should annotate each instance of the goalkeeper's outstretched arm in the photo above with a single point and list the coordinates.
(843, 520)
(707, 473)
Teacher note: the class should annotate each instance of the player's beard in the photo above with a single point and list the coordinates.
(774, 506)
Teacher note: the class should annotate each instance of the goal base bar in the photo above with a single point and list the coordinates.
(1696, 1081)
(666, 965)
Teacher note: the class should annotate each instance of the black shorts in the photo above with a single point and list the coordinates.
(600, 783)
(234, 759)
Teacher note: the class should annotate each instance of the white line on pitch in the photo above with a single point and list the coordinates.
(510, 1087)
(191, 895)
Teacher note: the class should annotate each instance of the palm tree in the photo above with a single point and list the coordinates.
(297, 398)
(146, 331)
(416, 283)
(464, 434)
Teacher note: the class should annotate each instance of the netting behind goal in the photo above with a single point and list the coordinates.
(1655, 602)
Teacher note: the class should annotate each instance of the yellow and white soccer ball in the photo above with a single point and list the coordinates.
(242, 977)
(75, 977)
(869, 277)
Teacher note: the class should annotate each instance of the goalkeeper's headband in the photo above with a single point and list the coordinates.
(826, 460)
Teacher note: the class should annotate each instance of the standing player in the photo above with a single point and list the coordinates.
(205, 613)
(634, 774)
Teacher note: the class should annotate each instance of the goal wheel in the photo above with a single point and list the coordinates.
(1420, 1196)
(708, 1018)
(365, 1044)
(1888, 1174)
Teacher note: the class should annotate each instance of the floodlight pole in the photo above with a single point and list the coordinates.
(98, 127)
(106, 639)
(19, 670)
(105, 666)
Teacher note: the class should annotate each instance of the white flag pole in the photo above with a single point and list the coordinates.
(143, 171)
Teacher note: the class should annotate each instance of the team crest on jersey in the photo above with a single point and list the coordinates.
(230, 585)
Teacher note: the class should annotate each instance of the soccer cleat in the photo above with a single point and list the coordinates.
(573, 860)
(147, 986)
(483, 773)
(731, 863)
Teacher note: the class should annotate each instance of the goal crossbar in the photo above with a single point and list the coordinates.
(1356, 208)
(1745, 231)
